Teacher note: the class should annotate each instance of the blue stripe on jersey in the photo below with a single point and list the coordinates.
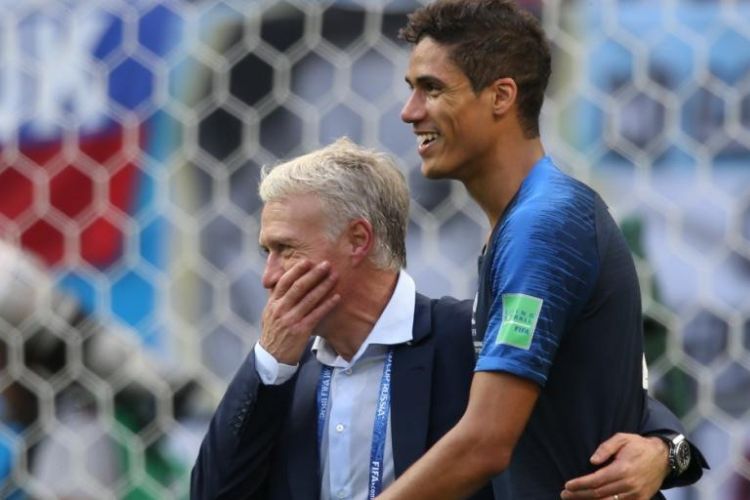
(545, 247)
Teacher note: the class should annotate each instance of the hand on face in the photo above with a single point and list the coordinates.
(300, 299)
(637, 469)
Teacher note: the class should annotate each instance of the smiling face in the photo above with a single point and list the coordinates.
(296, 228)
(453, 124)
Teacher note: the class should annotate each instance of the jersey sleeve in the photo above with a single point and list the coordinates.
(544, 268)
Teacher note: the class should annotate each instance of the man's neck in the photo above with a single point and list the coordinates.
(494, 186)
(361, 309)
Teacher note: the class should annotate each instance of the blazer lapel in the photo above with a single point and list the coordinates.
(410, 392)
(303, 469)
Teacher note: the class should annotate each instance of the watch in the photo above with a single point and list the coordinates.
(679, 453)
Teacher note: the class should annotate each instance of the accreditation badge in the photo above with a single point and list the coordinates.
(520, 316)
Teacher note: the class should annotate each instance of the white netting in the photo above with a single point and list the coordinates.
(131, 134)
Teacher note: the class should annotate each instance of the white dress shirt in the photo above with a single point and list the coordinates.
(345, 448)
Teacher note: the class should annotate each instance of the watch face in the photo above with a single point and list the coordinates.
(682, 456)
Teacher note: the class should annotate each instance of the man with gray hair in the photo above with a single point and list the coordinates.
(355, 374)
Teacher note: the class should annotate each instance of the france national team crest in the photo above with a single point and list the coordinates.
(520, 316)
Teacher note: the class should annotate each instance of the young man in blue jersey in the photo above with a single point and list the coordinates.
(561, 367)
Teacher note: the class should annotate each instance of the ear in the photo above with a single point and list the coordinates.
(504, 92)
(359, 240)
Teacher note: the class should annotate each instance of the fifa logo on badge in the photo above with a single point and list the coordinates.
(520, 316)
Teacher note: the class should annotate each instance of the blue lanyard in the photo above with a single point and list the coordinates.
(383, 408)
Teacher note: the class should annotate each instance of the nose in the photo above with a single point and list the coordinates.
(413, 110)
(272, 271)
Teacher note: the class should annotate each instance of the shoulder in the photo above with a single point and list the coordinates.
(547, 241)
(448, 319)
(450, 307)
(452, 347)
(551, 212)
(452, 314)
(556, 203)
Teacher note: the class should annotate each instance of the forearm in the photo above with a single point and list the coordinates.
(478, 448)
(457, 466)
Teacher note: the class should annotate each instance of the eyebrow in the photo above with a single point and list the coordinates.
(425, 80)
(285, 241)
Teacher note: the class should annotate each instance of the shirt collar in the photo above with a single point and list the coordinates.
(394, 326)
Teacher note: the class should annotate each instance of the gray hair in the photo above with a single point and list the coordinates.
(351, 182)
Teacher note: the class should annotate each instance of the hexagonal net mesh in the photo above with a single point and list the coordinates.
(131, 135)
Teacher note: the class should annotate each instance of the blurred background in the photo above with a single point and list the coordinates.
(131, 137)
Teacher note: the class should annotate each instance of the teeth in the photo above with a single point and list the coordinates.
(423, 139)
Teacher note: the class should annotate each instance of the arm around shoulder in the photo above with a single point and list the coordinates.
(639, 465)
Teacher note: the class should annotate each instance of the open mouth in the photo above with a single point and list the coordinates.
(425, 139)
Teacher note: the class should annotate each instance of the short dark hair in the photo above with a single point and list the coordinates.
(490, 39)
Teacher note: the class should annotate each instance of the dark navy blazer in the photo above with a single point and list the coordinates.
(262, 440)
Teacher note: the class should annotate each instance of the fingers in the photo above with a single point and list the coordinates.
(314, 317)
(291, 276)
(298, 302)
(620, 488)
(609, 448)
(308, 289)
(611, 473)
(631, 474)
(592, 481)
(300, 290)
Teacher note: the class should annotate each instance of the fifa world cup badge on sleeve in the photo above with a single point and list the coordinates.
(520, 315)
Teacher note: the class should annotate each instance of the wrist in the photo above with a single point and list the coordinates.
(663, 448)
(270, 369)
(281, 352)
(678, 453)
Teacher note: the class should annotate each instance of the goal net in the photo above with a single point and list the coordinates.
(131, 138)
